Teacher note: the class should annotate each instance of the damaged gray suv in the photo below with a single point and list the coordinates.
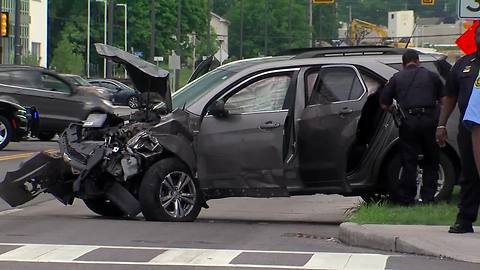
(305, 122)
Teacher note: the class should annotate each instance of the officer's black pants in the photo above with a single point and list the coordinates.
(417, 136)
(470, 184)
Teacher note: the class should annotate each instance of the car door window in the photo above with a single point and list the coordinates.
(336, 84)
(51, 83)
(110, 86)
(266, 94)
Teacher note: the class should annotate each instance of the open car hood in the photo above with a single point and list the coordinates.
(146, 77)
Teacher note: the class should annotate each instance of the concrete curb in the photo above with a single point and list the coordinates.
(358, 235)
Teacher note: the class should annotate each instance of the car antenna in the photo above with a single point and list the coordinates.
(410, 37)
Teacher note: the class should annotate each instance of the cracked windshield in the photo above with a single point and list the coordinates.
(239, 134)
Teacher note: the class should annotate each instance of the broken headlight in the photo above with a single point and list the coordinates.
(145, 144)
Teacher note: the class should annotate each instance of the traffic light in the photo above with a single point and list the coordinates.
(428, 2)
(4, 24)
(323, 1)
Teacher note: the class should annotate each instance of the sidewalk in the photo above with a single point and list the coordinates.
(416, 239)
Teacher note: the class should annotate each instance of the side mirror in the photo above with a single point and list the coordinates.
(217, 109)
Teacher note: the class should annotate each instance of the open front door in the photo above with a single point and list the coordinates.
(242, 153)
(328, 125)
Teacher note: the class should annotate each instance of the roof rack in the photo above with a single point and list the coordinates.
(343, 51)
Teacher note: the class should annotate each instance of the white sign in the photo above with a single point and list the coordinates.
(469, 9)
(158, 58)
(174, 61)
(221, 55)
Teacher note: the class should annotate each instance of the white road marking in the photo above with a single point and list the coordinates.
(197, 256)
(328, 261)
(191, 257)
(366, 262)
(10, 211)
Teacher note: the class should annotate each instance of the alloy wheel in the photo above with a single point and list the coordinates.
(178, 194)
(3, 132)
(133, 102)
(440, 182)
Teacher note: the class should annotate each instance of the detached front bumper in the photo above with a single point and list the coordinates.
(44, 172)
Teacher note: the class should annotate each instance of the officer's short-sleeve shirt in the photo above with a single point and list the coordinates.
(461, 79)
(472, 112)
(413, 87)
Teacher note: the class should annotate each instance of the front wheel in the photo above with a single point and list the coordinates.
(446, 176)
(5, 132)
(168, 192)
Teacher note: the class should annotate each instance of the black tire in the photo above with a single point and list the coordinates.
(46, 135)
(6, 132)
(446, 165)
(133, 102)
(103, 207)
(153, 190)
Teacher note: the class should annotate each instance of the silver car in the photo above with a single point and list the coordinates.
(306, 122)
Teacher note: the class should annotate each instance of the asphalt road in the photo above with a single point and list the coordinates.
(237, 233)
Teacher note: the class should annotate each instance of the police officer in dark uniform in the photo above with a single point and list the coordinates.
(459, 87)
(417, 92)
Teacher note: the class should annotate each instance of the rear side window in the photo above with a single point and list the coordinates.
(21, 78)
(336, 84)
(440, 67)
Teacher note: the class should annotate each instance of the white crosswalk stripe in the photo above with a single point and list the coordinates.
(193, 257)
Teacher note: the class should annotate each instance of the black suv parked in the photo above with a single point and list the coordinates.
(16, 122)
(58, 102)
(306, 122)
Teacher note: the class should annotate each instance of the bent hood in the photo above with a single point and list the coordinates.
(144, 75)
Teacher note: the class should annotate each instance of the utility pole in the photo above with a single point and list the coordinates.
(125, 29)
(310, 22)
(111, 10)
(179, 35)
(16, 40)
(194, 41)
(265, 29)
(153, 23)
(290, 23)
(105, 36)
(88, 38)
(349, 15)
(241, 29)
(209, 34)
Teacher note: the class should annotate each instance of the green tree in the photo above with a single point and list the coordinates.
(280, 33)
(65, 59)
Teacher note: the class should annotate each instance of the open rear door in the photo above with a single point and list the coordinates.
(328, 125)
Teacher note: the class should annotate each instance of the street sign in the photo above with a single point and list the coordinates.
(158, 58)
(469, 9)
(428, 2)
(323, 1)
(174, 61)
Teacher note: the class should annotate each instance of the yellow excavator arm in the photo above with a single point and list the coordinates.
(358, 25)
